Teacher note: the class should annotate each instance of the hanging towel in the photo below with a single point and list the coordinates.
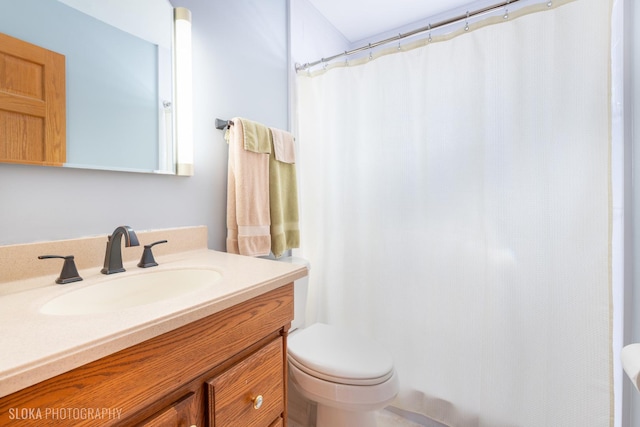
(256, 136)
(283, 196)
(283, 144)
(248, 217)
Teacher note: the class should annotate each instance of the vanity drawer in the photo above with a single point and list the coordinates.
(180, 413)
(250, 393)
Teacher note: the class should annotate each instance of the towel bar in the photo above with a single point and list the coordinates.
(223, 124)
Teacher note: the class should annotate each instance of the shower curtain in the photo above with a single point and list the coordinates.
(455, 206)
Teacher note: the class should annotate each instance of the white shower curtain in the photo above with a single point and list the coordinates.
(455, 206)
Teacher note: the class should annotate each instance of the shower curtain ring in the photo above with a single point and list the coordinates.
(429, 28)
(466, 22)
(370, 53)
(506, 10)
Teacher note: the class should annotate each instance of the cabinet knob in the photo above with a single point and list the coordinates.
(257, 401)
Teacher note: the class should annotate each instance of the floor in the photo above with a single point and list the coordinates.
(388, 419)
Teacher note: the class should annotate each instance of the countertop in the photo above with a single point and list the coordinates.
(37, 346)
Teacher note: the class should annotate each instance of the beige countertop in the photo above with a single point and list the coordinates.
(38, 346)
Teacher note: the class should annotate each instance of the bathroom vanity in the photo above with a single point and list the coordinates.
(211, 357)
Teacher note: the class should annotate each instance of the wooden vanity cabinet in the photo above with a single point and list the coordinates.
(210, 372)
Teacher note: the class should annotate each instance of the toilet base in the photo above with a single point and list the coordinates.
(328, 416)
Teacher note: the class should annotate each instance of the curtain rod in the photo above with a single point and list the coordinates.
(401, 36)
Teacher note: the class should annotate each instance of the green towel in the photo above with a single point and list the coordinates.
(257, 137)
(283, 204)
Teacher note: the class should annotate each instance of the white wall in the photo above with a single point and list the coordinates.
(312, 36)
(632, 197)
(240, 68)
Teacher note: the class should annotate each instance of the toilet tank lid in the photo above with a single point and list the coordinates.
(338, 353)
(296, 260)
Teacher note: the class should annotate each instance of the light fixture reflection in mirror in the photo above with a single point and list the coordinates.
(183, 91)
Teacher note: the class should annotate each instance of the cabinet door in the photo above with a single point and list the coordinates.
(250, 393)
(179, 414)
(32, 104)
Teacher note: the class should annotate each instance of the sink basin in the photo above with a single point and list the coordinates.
(126, 291)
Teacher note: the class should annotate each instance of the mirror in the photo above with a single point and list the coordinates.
(118, 76)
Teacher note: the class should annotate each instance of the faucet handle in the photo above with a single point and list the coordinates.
(69, 271)
(147, 259)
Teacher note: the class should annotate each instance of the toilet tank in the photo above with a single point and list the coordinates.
(300, 293)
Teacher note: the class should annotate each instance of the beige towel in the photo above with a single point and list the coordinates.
(256, 136)
(284, 147)
(248, 217)
(283, 196)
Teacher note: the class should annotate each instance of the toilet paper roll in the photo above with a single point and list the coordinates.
(630, 356)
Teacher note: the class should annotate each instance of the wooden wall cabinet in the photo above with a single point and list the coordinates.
(226, 370)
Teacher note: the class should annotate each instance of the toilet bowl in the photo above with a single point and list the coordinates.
(347, 376)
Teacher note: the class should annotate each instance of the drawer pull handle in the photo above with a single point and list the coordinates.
(257, 401)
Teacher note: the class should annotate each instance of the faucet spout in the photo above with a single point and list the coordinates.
(113, 256)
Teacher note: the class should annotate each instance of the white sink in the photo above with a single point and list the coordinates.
(126, 291)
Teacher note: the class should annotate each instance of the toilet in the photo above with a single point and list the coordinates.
(347, 376)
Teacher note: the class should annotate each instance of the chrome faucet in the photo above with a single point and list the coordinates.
(113, 257)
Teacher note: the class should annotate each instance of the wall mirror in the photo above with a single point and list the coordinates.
(119, 77)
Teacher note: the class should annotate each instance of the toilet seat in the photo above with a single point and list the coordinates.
(331, 354)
